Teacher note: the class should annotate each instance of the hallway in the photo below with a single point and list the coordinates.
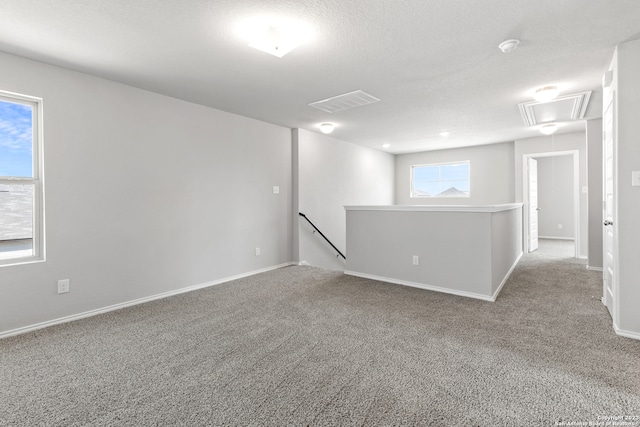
(556, 249)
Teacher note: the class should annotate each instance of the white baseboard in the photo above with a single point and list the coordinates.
(490, 298)
(90, 313)
(420, 285)
(556, 238)
(506, 277)
(627, 334)
(594, 268)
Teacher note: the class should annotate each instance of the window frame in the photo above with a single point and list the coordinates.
(412, 193)
(37, 179)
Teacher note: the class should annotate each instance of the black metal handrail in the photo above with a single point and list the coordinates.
(323, 236)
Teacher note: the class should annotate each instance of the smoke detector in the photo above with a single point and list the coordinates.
(509, 46)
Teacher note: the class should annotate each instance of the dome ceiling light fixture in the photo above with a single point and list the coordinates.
(549, 129)
(509, 46)
(327, 128)
(444, 133)
(275, 36)
(546, 94)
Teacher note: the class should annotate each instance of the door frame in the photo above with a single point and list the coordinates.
(613, 304)
(532, 162)
(576, 194)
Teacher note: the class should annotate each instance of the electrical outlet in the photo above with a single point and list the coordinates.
(416, 260)
(257, 251)
(63, 286)
(276, 189)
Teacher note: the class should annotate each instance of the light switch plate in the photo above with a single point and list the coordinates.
(635, 178)
(276, 189)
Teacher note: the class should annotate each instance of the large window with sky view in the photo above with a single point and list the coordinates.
(441, 180)
(20, 179)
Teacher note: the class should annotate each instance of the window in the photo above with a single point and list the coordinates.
(21, 219)
(440, 180)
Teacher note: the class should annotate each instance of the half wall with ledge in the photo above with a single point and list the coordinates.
(461, 250)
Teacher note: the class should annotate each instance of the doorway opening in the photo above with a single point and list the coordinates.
(552, 203)
(556, 250)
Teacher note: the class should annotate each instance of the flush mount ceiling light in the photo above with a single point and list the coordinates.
(509, 46)
(549, 128)
(276, 37)
(444, 133)
(327, 128)
(386, 145)
(546, 94)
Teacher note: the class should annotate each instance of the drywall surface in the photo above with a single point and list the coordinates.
(549, 144)
(331, 174)
(144, 194)
(628, 196)
(491, 170)
(594, 182)
(506, 245)
(555, 197)
(449, 249)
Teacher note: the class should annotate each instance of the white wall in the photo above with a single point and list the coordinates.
(555, 197)
(628, 197)
(145, 194)
(461, 250)
(506, 245)
(594, 166)
(492, 179)
(552, 143)
(331, 174)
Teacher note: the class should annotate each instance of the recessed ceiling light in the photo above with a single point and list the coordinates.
(509, 46)
(327, 128)
(386, 145)
(546, 94)
(274, 36)
(549, 128)
(444, 133)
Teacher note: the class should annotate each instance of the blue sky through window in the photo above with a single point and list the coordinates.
(450, 180)
(16, 140)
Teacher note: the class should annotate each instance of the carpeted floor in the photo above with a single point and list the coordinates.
(304, 346)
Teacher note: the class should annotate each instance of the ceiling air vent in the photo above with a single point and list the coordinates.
(343, 102)
(562, 109)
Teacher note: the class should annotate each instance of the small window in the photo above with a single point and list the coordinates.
(21, 219)
(440, 180)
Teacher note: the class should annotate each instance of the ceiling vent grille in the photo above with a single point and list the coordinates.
(343, 102)
(561, 109)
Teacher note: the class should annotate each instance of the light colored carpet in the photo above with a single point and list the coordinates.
(304, 346)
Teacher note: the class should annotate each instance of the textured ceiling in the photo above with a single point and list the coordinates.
(434, 64)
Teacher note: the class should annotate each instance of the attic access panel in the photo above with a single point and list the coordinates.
(562, 109)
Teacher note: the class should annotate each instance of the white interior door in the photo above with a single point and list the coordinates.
(609, 238)
(532, 168)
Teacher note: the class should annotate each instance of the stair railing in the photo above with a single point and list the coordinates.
(340, 254)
